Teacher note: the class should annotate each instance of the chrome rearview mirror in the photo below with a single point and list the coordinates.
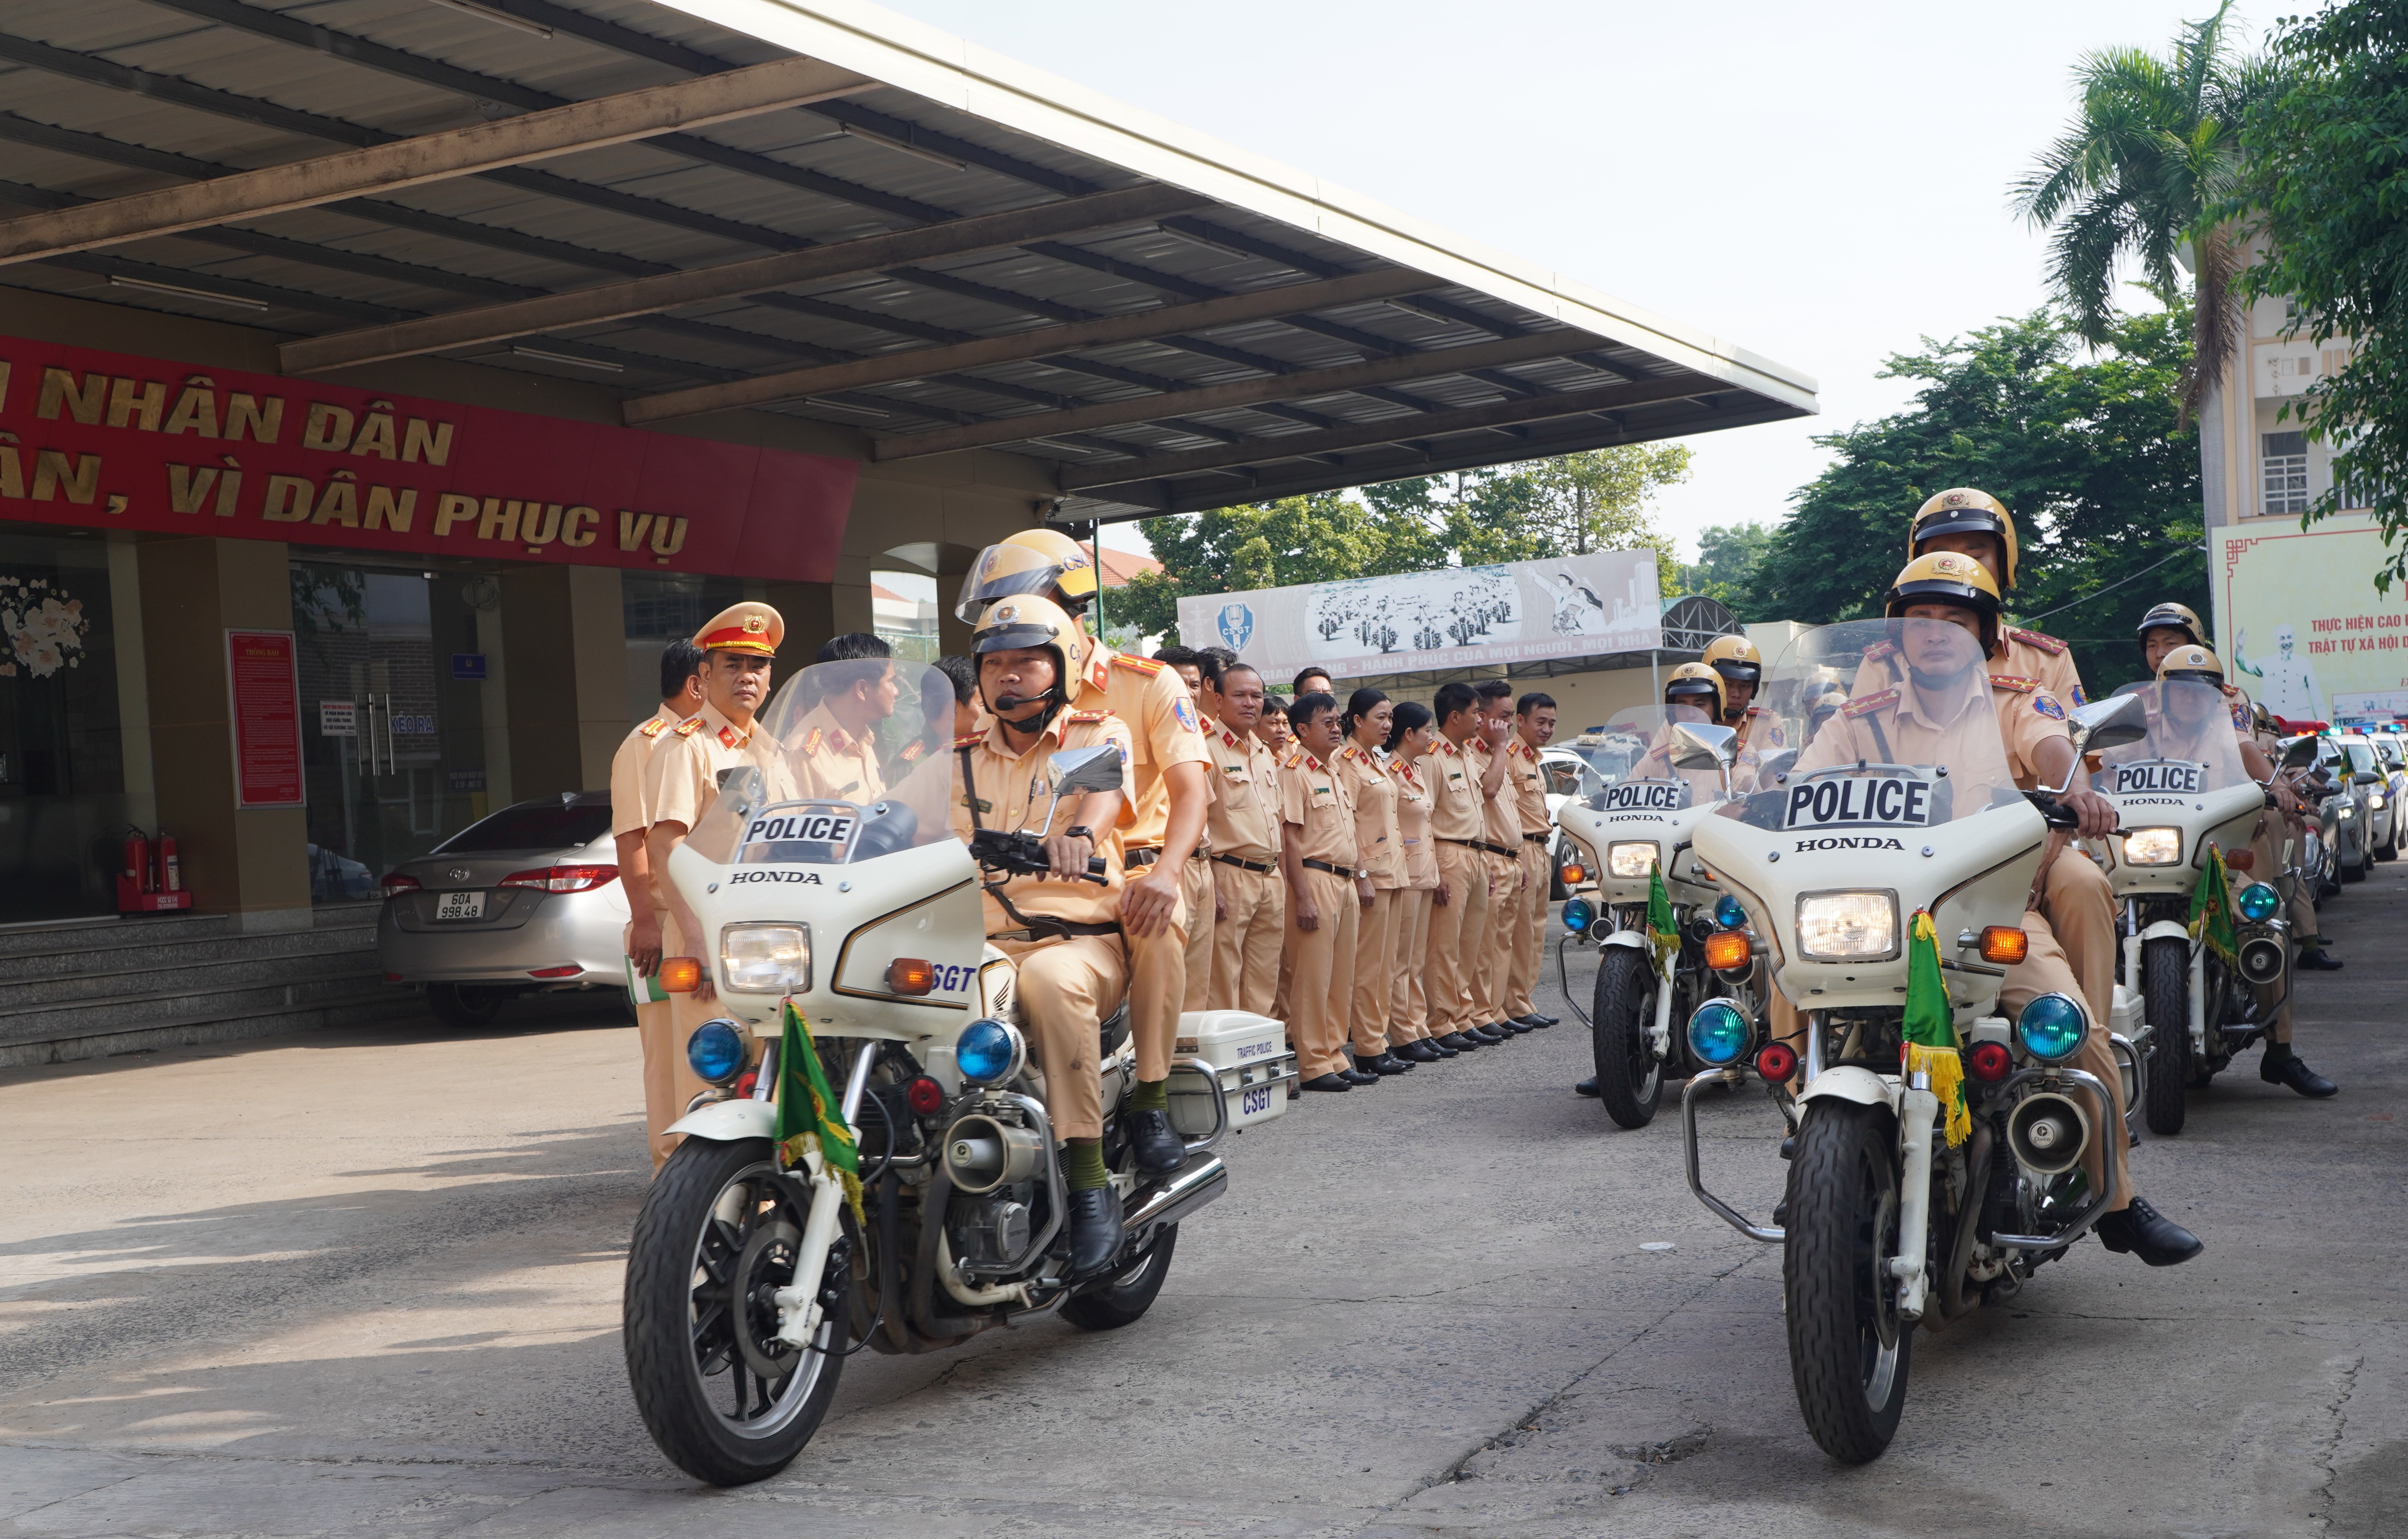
(2111, 723)
(1077, 771)
(1699, 746)
(2297, 752)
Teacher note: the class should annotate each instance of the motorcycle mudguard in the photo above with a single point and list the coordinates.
(1850, 1083)
(729, 1121)
(2167, 929)
(1626, 937)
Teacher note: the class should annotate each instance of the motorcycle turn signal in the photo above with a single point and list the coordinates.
(680, 974)
(1727, 951)
(2004, 944)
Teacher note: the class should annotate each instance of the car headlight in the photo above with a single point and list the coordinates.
(2153, 847)
(2258, 902)
(2349, 811)
(2052, 1028)
(989, 1052)
(715, 1052)
(1718, 1033)
(765, 958)
(2374, 799)
(1632, 859)
(1847, 927)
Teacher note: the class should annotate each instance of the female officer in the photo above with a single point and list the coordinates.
(1410, 733)
(1380, 860)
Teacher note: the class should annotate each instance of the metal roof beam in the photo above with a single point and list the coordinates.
(1139, 325)
(382, 163)
(817, 264)
(1394, 430)
(1319, 381)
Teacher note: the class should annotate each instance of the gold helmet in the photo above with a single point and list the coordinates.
(1948, 577)
(2192, 662)
(1028, 619)
(1965, 510)
(1035, 561)
(2173, 617)
(1735, 658)
(1690, 683)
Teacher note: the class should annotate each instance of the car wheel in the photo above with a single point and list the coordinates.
(466, 1007)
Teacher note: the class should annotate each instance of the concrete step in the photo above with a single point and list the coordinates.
(209, 967)
(103, 1040)
(33, 968)
(125, 1012)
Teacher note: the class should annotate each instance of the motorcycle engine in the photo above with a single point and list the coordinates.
(992, 1229)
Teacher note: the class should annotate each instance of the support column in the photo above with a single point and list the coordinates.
(565, 634)
(251, 863)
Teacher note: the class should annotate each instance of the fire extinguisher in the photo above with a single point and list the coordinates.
(171, 874)
(137, 862)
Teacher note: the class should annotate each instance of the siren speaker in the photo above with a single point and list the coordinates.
(2048, 1132)
(983, 1154)
(2261, 959)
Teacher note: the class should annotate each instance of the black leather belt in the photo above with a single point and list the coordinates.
(1534, 839)
(1467, 844)
(1258, 868)
(1507, 851)
(1334, 870)
(1073, 925)
(1131, 859)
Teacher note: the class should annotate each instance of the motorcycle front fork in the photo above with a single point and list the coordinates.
(798, 1303)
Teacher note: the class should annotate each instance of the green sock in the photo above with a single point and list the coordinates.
(2277, 1051)
(1082, 1165)
(1152, 1095)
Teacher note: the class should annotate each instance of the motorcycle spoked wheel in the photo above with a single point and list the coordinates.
(1629, 1077)
(1849, 1351)
(725, 1399)
(1123, 1297)
(2165, 1001)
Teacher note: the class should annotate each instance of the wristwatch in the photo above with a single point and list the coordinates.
(1079, 830)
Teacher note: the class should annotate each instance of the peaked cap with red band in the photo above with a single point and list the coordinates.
(749, 626)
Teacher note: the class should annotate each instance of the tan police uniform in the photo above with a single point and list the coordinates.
(1245, 824)
(1501, 839)
(1891, 726)
(1287, 758)
(1321, 973)
(1163, 731)
(1196, 894)
(1409, 1015)
(1459, 926)
(1379, 850)
(830, 764)
(1068, 984)
(1526, 779)
(670, 1080)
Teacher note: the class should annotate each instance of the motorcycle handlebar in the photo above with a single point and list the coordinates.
(1023, 855)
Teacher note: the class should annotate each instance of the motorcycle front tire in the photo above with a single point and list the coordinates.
(1121, 1298)
(2165, 1003)
(1849, 1351)
(1629, 1079)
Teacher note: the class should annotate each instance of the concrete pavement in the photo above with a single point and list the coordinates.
(368, 1284)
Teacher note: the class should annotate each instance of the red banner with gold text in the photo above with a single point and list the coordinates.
(111, 440)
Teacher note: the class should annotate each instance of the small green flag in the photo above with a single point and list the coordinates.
(2210, 907)
(1930, 1030)
(808, 1115)
(1663, 935)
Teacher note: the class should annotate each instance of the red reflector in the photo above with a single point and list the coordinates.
(562, 878)
(569, 972)
(1990, 1063)
(925, 1096)
(392, 977)
(1777, 1062)
(743, 1089)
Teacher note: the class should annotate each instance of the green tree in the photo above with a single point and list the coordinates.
(2327, 188)
(1727, 556)
(1317, 537)
(2152, 151)
(2088, 453)
(1569, 505)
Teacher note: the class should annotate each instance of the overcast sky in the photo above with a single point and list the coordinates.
(1823, 184)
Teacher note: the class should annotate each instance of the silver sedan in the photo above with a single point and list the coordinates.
(525, 899)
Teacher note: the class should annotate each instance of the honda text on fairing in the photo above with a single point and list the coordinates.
(875, 1167)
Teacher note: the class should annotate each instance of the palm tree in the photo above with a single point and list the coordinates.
(2155, 147)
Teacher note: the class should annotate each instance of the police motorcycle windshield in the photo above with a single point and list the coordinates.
(1637, 766)
(1915, 744)
(849, 761)
(2191, 747)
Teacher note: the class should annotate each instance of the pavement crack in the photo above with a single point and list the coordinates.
(2329, 1449)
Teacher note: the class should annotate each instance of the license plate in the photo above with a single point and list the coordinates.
(1644, 796)
(1861, 801)
(460, 905)
(2169, 775)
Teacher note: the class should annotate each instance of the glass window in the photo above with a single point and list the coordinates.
(903, 611)
(2283, 473)
(554, 825)
(2361, 757)
(63, 805)
(658, 608)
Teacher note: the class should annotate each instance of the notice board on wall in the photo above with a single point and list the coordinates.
(264, 696)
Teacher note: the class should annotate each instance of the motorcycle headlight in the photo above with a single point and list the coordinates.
(1635, 858)
(1729, 912)
(765, 958)
(1718, 1033)
(2052, 1028)
(2348, 813)
(2374, 799)
(2258, 901)
(1847, 927)
(2153, 847)
(1577, 914)
(988, 1052)
(715, 1052)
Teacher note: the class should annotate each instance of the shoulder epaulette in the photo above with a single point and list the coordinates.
(811, 744)
(913, 750)
(1086, 715)
(1146, 665)
(654, 727)
(1865, 705)
(1879, 649)
(969, 740)
(2049, 644)
(688, 727)
(2008, 680)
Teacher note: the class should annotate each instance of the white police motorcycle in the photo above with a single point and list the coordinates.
(1642, 819)
(2178, 791)
(749, 1279)
(1891, 1220)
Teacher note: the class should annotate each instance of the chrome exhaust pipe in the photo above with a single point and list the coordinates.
(1201, 1182)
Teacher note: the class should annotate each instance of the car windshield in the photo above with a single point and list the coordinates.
(552, 823)
(848, 761)
(1914, 743)
(2191, 745)
(2361, 757)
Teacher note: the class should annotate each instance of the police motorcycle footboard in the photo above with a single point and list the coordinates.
(1643, 901)
(1935, 1144)
(2206, 948)
(872, 1164)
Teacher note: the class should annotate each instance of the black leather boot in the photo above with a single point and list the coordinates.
(2314, 959)
(1159, 1148)
(2148, 1234)
(2293, 1071)
(1095, 1230)
(1383, 1063)
(1456, 1041)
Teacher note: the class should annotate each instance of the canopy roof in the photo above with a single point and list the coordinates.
(819, 209)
